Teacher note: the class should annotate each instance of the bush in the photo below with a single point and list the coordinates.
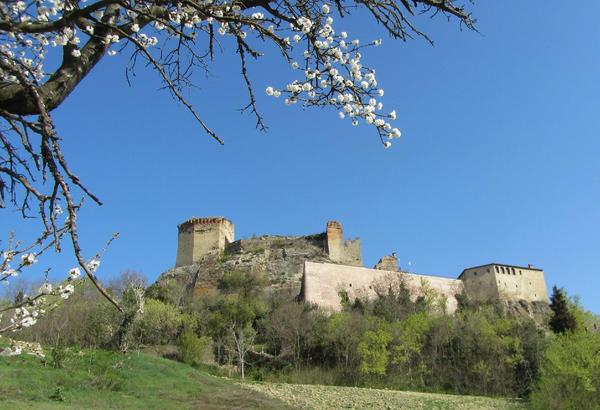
(191, 347)
(58, 354)
(160, 324)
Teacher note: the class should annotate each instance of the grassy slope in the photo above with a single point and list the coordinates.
(100, 379)
(107, 380)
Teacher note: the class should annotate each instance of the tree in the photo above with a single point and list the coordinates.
(174, 39)
(290, 328)
(570, 373)
(562, 319)
(235, 314)
(373, 347)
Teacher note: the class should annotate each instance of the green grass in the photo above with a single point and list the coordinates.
(101, 380)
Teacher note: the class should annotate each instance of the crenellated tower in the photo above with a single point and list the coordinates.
(199, 237)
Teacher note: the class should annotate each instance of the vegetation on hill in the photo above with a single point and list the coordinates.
(389, 342)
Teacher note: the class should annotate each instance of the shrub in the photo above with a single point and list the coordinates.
(191, 347)
(160, 324)
(58, 354)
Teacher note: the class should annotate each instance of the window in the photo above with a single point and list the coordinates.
(497, 270)
(513, 271)
(520, 272)
(488, 270)
(475, 273)
(350, 285)
(503, 270)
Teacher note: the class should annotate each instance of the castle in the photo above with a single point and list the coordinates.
(324, 264)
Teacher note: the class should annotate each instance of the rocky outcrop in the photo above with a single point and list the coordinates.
(538, 311)
(280, 258)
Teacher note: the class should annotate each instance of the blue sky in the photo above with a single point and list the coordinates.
(497, 163)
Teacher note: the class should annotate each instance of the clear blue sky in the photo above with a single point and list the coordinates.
(498, 161)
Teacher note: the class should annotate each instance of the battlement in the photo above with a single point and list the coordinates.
(204, 221)
(199, 237)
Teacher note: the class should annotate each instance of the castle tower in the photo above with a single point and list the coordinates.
(202, 236)
(339, 250)
(496, 281)
(335, 240)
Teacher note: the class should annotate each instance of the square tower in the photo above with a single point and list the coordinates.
(199, 237)
(499, 282)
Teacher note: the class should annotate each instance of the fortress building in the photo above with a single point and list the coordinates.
(318, 267)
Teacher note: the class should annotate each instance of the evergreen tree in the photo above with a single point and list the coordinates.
(562, 319)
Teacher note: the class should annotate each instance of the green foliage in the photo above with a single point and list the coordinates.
(86, 319)
(244, 283)
(167, 291)
(373, 347)
(160, 324)
(409, 337)
(342, 334)
(570, 374)
(58, 354)
(58, 394)
(562, 319)
(234, 315)
(191, 347)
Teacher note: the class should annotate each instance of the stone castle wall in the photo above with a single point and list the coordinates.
(322, 283)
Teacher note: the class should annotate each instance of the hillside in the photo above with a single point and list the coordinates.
(102, 380)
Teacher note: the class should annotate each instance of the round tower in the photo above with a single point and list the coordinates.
(199, 237)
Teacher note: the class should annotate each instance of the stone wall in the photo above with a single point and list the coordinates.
(322, 282)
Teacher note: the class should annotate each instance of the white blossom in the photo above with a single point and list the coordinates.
(28, 259)
(45, 289)
(92, 265)
(75, 273)
(66, 291)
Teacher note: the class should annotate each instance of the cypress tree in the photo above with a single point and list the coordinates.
(562, 319)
